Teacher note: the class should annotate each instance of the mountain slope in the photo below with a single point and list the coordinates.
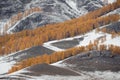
(53, 11)
(97, 60)
(10, 7)
(58, 31)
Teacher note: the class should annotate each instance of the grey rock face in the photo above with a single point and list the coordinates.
(53, 11)
(11, 7)
(114, 27)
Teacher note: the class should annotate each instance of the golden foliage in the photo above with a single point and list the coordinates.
(57, 56)
(29, 38)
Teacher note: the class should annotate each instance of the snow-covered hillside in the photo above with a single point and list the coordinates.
(108, 1)
(106, 75)
(89, 37)
(83, 40)
(53, 11)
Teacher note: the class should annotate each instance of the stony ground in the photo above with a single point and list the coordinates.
(68, 43)
(32, 52)
(95, 61)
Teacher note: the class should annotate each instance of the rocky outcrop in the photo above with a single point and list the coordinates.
(53, 11)
(11, 7)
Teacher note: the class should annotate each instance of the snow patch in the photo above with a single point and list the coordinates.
(72, 4)
(111, 1)
(108, 1)
(59, 64)
(6, 62)
(2, 27)
(88, 37)
(97, 75)
(5, 66)
(115, 41)
(49, 46)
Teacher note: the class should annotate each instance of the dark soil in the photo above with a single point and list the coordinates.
(32, 52)
(67, 43)
(95, 61)
(113, 27)
(39, 70)
(45, 69)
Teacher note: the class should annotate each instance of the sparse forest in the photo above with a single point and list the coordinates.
(57, 56)
(29, 38)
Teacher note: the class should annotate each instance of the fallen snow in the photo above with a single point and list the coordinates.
(111, 1)
(18, 73)
(59, 64)
(72, 4)
(114, 41)
(11, 28)
(54, 48)
(107, 75)
(2, 27)
(90, 37)
(97, 5)
(97, 75)
(51, 47)
(5, 66)
(6, 62)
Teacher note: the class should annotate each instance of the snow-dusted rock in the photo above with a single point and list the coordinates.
(53, 11)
